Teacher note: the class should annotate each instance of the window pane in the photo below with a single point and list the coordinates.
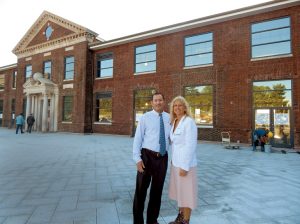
(67, 108)
(198, 48)
(273, 24)
(198, 38)
(271, 36)
(104, 108)
(107, 63)
(272, 94)
(200, 59)
(200, 99)
(106, 72)
(2, 82)
(69, 60)
(69, 67)
(145, 58)
(271, 49)
(146, 67)
(146, 48)
(28, 71)
(69, 75)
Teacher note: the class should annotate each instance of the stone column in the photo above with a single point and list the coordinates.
(35, 112)
(52, 103)
(28, 107)
(45, 113)
(55, 119)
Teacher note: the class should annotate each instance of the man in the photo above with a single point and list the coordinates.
(150, 146)
(20, 122)
(30, 122)
(260, 137)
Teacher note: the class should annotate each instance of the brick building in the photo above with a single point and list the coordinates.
(239, 70)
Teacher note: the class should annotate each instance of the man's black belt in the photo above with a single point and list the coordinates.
(153, 153)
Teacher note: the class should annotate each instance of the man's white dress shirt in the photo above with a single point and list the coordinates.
(147, 133)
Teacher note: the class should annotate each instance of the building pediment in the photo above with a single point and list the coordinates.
(50, 32)
(39, 84)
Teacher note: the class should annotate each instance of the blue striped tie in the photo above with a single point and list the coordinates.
(162, 138)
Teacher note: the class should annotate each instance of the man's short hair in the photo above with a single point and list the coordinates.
(155, 94)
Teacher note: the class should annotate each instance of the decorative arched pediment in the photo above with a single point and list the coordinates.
(49, 32)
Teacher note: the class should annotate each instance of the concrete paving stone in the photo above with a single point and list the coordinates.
(39, 201)
(67, 203)
(11, 201)
(59, 194)
(87, 195)
(68, 216)
(21, 219)
(107, 212)
(28, 210)
(42, 214)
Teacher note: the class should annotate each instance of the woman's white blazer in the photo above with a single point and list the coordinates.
(184, 143)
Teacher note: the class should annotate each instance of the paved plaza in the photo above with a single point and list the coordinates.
(64, 178)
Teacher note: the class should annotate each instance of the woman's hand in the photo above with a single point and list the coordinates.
(182, 172)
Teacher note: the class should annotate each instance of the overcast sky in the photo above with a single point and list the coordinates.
(109, 18)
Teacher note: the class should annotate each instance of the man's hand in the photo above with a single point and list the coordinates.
(182, 172)
(140, 166)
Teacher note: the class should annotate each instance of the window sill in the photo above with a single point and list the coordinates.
(198, 66)
(204, 126)
(102, 123)
(66, 80)
(108, 77)
(272, 57)
(144, 73)
(66, 122)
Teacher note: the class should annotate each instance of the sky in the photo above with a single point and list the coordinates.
(109, 18)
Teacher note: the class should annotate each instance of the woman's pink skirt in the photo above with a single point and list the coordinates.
(184, 190)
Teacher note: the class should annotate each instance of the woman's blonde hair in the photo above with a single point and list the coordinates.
(182, 100)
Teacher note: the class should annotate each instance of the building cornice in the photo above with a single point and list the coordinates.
(55, 44)
(7, 67)
(205, 21)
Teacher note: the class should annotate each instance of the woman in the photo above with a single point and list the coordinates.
(183, 178)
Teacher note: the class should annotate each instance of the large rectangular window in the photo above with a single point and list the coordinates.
(14, 79)
(198, 50)
(28, 71)
(69, 68)
(271, 38)
(67, 108)
(200, 99)
(105, 65)
(145, 58)
(2, 81)
(48, 68)
(272, 94)
(104, 107)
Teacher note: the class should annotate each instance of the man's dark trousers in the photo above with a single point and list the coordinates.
(155, 172)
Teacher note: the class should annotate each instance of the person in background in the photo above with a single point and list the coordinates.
(19, 123)
(150, 153)
(183, 178)
(260, 137)
(30, 121)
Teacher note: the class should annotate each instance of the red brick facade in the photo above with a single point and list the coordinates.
(232, 75)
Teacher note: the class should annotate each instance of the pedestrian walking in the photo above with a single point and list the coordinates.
(30, 122)
(20, 121)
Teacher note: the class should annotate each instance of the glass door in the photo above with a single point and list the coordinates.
(282, 127)
(277, 121)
